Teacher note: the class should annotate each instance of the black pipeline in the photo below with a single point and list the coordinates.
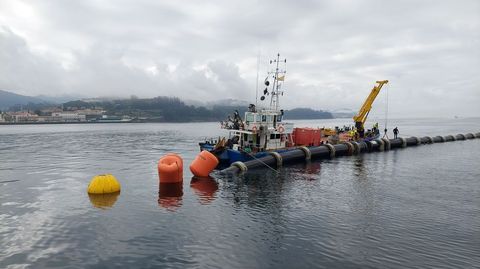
(276, 159)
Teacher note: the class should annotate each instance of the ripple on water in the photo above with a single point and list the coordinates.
(408, 208)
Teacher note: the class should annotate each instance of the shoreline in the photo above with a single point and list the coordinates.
(42, 123)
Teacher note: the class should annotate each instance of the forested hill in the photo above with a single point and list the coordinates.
(158, 109)
(171, 109)
(166, 109)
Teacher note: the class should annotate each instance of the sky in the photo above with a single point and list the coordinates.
(209, 50)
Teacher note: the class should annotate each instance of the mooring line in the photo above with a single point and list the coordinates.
(261, 161)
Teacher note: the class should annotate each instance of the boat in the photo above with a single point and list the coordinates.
(113, 119)
(263, 131)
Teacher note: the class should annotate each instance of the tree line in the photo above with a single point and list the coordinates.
(170, 109)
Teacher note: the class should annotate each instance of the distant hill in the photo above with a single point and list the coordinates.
(307, 114)
(162, 108)
(9, 99)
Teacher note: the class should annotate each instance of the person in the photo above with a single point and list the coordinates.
(395, 133)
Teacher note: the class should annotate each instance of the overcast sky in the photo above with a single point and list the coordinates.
(207, 50)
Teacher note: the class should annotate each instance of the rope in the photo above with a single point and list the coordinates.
(271, 168)
(386, 114)
(386, 109)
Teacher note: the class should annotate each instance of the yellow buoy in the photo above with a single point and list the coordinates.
(103, 184)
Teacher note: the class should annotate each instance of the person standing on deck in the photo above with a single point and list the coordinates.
(395, 133)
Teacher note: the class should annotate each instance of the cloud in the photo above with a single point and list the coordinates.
(207, 50)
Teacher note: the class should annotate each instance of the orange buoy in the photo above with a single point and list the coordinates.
(203, 164)
(170, 168)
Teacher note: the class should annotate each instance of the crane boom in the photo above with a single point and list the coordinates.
(362, 114)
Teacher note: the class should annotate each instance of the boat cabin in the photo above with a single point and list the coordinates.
(263, 130)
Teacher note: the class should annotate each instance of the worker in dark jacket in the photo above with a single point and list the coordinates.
(395, 132)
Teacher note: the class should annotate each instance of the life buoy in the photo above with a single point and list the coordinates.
(254, 129)
(281, 129)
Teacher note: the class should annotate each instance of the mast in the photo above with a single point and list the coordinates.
(256, 87)
(274, 101)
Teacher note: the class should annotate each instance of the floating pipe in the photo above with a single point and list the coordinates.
(328, 151)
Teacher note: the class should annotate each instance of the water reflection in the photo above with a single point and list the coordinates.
(205, 188)
(312, 168)
(360, 170)
(170, 195)
(103, 201)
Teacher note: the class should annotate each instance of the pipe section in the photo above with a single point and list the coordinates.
(329, 151)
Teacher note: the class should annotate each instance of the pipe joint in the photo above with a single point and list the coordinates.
(387, 143)
(429, 140)
(277, 157)
(307, 152)
(369, 145)
(331, 148)
(350, 148)
(417, 139)
(240, 165)
(356, 147)
(449, 138)
(404, 142)
(381, 144)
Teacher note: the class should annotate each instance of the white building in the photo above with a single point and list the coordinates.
(68, 116)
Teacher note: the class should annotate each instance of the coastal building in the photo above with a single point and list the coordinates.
(69, 116)
(23, 116)
(91, 114)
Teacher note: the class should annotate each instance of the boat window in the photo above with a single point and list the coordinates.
(275, 136)
(269, 118)
(249, 117)
(279, 118)
(264, 118)
(259, 118)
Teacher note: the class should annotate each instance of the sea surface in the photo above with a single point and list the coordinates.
(417, 207)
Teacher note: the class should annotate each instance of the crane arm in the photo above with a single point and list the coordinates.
(362, 114)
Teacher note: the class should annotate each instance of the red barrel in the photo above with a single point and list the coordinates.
(170, 168)
(203, 164)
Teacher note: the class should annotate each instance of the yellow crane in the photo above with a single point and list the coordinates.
(362, 114)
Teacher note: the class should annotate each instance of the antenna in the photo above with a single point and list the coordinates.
(256, 87)
(278, 75)
(274, 101)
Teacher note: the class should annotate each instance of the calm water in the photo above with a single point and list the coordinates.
(414, 207)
